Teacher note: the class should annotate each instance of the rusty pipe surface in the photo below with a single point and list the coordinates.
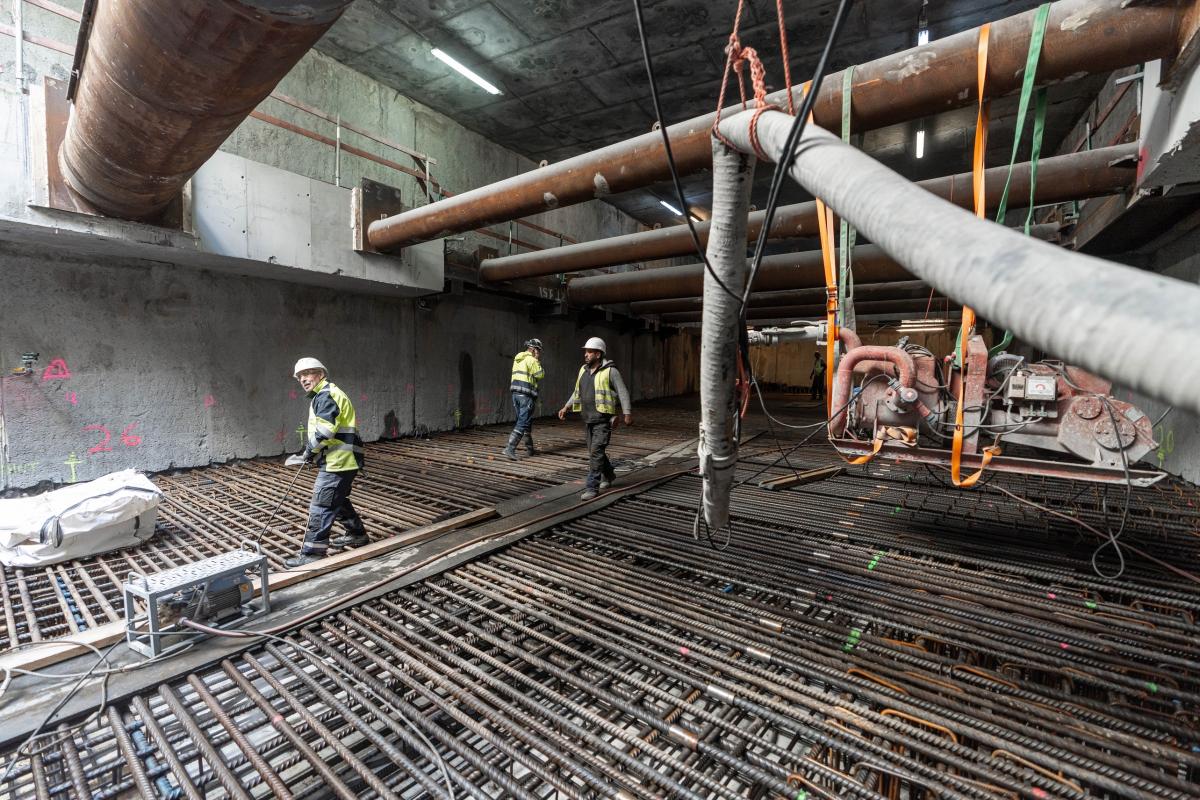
(813, 311)
(1082, 36)
(869, 291)
(788, 271)
(164, 84)
(905, 371)
(1075, 176)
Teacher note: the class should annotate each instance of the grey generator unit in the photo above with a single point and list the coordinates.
(214, 592)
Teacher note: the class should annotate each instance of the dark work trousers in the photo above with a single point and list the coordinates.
(598, 434)
(818, 387)
(330, 501)
(523, 404)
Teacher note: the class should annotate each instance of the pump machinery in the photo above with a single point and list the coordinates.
(901, 401)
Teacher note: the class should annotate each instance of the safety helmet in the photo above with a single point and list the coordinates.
(595, 343)
(534, 343)
(307, 363)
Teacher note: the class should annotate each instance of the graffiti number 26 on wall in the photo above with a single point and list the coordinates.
(128, 438)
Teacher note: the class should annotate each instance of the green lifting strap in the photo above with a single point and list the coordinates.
(845, 284)
(1039, 129)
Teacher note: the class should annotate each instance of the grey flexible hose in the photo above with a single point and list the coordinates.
(1136, 328)
(733, 174)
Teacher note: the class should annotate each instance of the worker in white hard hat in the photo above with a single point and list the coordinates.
(527, 373)
(334, 445)
(599, 395)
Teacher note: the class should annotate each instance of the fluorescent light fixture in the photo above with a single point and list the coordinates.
(671, 208)
(451, 62)
(921, 143)
(922, 329)
(922, 37)
(932, 321)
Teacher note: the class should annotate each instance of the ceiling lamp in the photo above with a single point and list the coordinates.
(461, 69)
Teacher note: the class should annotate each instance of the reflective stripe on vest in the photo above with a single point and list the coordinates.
(527, 372)
(606, 396)
(341, 448)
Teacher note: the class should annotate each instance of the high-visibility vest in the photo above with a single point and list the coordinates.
(527, 372)
(336, 445)
(606, 396)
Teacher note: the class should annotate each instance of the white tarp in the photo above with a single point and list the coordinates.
(118, 510)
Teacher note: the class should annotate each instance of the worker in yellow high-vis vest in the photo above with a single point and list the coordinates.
(336, 448)
(600, 396)
(527, 373)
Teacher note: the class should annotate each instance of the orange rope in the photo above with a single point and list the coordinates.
(968, 314)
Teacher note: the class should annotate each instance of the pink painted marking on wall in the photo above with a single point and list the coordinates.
(209, 401)
(56, 370)
(72, 398)
(280, 435)
(408, 388)
(362, 397)
(128, 437)
(292, 394)
(103, 446)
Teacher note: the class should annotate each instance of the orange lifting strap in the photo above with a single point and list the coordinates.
(968, 315)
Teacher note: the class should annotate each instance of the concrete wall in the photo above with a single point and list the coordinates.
(147, 365)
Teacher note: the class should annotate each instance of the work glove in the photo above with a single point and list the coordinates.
(295, 460)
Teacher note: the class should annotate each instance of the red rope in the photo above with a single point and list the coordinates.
(783, 49)
(736, 56)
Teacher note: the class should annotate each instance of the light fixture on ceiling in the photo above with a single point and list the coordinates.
(922, 40)
(671, 208)
(463, 70)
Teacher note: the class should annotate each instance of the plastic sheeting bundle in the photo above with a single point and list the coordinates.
(115, 511)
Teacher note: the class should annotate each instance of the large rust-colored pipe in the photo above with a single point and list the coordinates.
(1076, 176)
(865, 292)
(164, 84)
(790, 271)
(813, 311)
(1083, 36)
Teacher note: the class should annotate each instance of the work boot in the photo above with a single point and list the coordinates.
(301, 560)
(510, 449)
(588, 494)
(605, 483)
(529, 448)
(349, 540)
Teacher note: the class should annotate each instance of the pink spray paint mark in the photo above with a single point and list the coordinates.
(362, 397)
(1052, 595)
(209, 401)
(72, 398)
(56, 370)
(292, 394)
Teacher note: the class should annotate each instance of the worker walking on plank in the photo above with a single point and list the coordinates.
(527, 373)
(817, 376)
(335, 446)
(598, 390)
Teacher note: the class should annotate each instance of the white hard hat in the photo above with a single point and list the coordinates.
(307, 363)
(595, 343)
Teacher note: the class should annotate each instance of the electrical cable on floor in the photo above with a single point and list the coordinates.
(286, 492)
(662, 127)
(1112, 538)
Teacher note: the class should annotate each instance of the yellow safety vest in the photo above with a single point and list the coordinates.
(336, 445)
(606, 396)
(527, 372)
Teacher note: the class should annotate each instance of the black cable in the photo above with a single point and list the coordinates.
(270, 519)
(1112, 538)
(789, 149)
(662, 127)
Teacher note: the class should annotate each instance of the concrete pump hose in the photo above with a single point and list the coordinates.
(1136, 328)
(733, 174)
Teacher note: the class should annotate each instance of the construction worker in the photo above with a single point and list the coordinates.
(817, 376)
(598, 390)
(527, 373)
(334, 445)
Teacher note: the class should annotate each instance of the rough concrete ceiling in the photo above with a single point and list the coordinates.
(572, 76)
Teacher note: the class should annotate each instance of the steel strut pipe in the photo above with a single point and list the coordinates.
(812, 311)
(1076, 176)
(1077, 307)
(1083, 36)
(788, 271)
(164, 84)
(870, 291)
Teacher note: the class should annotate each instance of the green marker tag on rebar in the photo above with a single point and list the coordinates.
(1152, 686)
(875, 560)
(1091, 604)
(852, 640)
(895, 511)
(801, 795)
